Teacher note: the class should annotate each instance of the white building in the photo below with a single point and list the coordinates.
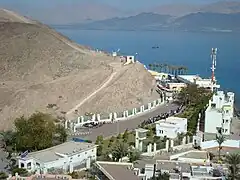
(171, 127)
(219, 113)
(195, 79)
(67, 157)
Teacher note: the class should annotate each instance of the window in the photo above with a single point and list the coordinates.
(161, 131)
(226, 130)
(22, 165)
(226, 121)
(227, 111)
(79, 155)
(92, 150)
(223, 121)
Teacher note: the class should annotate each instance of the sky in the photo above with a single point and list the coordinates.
(121, 4)
(70, 11)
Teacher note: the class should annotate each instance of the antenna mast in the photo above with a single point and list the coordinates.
(214, 63)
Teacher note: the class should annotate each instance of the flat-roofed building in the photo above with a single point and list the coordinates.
(219, 114)
(115, 171)
(171, 127)
(66, 157)
(196, 79)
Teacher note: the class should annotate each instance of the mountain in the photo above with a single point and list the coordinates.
(201, 21)
(143, 21)
(176, 9)
(40, 67)
(181, 9)
(226, 7)
(208, 22)
(67, 12)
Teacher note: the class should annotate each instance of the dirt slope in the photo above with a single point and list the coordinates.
(40, 67)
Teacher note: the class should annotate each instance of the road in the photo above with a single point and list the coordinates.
(92, 94)
(108, 130)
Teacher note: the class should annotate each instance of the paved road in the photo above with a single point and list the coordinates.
(108, 130)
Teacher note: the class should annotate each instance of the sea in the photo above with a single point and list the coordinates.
(190, 49)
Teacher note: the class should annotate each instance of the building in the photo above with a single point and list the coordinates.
(195, 79)
(171, 127)
(66, 157)
(219, 114)
(115, 171)
(176, 87)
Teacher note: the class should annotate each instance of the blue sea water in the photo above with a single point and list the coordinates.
(175, 48)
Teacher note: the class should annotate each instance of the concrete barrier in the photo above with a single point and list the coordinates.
(112, 117)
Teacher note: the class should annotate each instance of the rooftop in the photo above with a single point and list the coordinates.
(195, 155)
(141, 130)
(170, 121)
(172, 166)
(117, 171)
(190, 78)
(56, 152)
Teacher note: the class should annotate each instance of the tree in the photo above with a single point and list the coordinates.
(119, 151)
(3, 175)
(180, 137)
(99, 140)
(161, 176)
(20, 171)
(125, 136)
(233, 161)
(37, 132)
(9, 139)
(61, 134)
(220, 140)
(134, 156)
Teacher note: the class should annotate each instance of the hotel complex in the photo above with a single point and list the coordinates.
(219, 114)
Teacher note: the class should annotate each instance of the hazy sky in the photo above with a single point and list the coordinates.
(121, 4)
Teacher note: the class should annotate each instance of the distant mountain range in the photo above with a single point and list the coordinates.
(85, 11)
(201, 21)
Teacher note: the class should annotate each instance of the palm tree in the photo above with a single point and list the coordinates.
(220, 140)
(156, 66)
(150, 66)
(233, 161)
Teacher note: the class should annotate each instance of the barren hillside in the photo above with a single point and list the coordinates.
(40, 67)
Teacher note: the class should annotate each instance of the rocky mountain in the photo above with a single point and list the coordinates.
(181, 9)
(208, 22)
(201, 21)
(143, 21)
(41, 70)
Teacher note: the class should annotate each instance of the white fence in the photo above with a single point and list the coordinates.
(112, 117)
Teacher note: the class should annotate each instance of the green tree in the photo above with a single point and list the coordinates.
(37, 132)
(180, 137)
(20, 171)
(134, 155)
(161, 176)
(233, 161)
(3, 175)
(9, 139)
(61, 134)
(220, 140)
(119, 151)
(125, 136)
(99, 140)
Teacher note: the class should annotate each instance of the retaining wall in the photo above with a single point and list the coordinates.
(112, 117)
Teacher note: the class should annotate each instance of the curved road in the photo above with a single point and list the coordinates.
(108, 130)
(92, 94)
